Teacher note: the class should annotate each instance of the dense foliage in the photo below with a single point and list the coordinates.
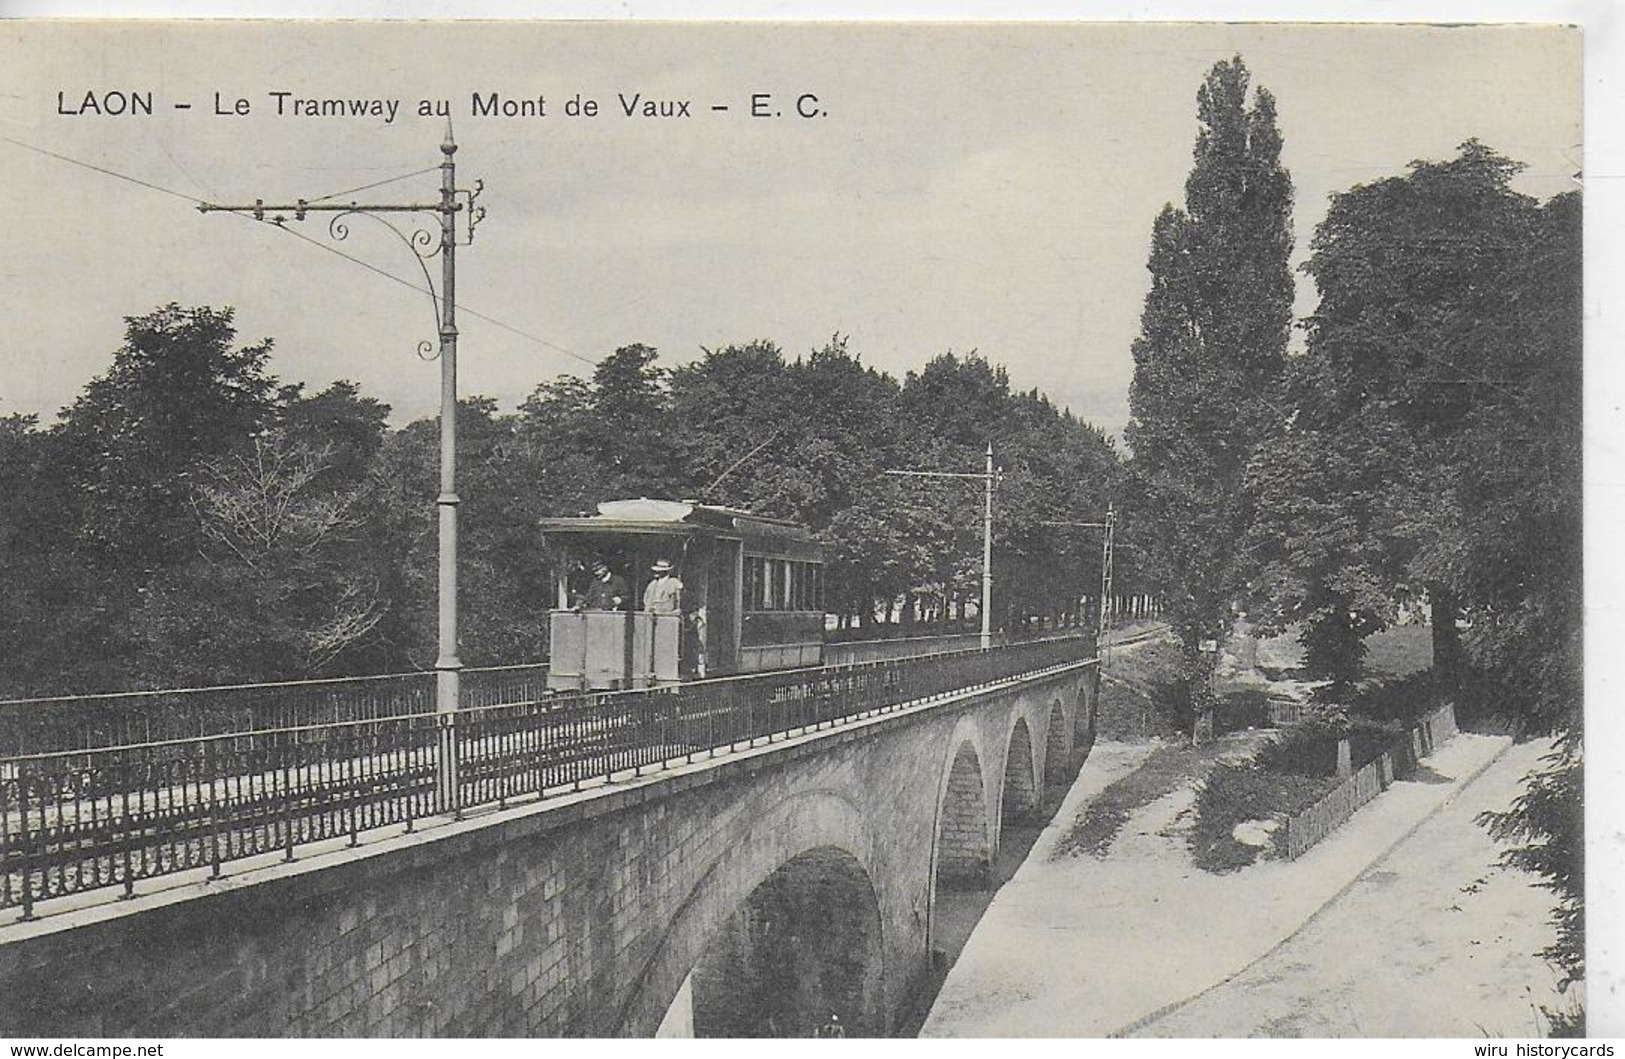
(190, 519)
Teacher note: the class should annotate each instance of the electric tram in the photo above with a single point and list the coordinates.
(751, 595)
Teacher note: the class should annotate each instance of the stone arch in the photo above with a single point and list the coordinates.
(963, 850)
(1083, 732)
(769, 840)
(802, 951)
(1020, 793)
(1057, 747)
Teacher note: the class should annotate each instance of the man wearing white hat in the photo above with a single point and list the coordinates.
(664, 594)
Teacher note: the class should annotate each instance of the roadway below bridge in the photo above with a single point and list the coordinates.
(1435, 939)
(959, 911)
(1398, 924)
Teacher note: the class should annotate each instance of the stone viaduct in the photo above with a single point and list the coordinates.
(757, 893)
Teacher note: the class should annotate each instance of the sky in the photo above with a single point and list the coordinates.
(984, 187)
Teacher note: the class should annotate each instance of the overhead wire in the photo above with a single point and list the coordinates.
(423, 290)
(375, 184)
(194, 200)
(102, 169)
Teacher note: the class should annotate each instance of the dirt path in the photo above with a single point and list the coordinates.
(1434, 940)
(1079, 946)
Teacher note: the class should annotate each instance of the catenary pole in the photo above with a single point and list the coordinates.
(1102, 646)
(448, 662)
(1102, 638)
(989, 478)
(987, 553)
(452, 201)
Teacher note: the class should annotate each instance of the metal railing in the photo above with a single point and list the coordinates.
(72, 821)
(78, 722)
(850, 651)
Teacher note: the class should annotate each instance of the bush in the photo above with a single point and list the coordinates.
(1308, 748)
(1400, 702)
(1237, 792)
(1233, 712)
(1240, 710)
(1369, 739)
(1171, 699)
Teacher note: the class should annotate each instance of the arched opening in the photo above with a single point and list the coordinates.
(1056, 748)
(1083, 735)
(964, 848)
(801, 955)
(963, 874)
(1020, 788)
(1020, 817)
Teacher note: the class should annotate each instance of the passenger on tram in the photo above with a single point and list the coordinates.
(664, 594)
(607, 591)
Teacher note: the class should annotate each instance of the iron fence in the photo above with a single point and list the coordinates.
(76, 820)
(79, 722)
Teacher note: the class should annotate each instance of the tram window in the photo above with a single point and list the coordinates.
(782, 584)
(761, 591)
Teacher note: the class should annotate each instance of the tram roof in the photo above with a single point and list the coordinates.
(676, 518)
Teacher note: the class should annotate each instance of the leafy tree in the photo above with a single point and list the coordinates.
(503, 590)
(581, 442)
(121, 466)
(1523, 560)
(1052, 468)
(40, 581)
(350, 427)
(1212, 345)
(1336, 497)
(179, 394)
(300, 534)
(1413, 274)
(737, 428)
(280, 588)
(1435, 440)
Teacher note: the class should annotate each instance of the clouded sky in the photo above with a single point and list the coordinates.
(986, 187)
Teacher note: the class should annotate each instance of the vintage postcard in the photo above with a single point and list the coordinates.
(960, 530)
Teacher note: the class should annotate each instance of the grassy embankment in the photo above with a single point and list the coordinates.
(1300, 767)
(1138, 703)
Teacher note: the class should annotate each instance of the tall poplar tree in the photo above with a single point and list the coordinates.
(1213, 338)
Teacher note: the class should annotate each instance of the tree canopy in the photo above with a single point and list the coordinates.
(191, 519)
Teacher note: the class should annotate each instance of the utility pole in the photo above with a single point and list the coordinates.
(1102, 637)
(1102, 646)
(987, 551)
(988, 478)
(423, 245)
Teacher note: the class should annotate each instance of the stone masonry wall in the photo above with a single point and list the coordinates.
(964, 851)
